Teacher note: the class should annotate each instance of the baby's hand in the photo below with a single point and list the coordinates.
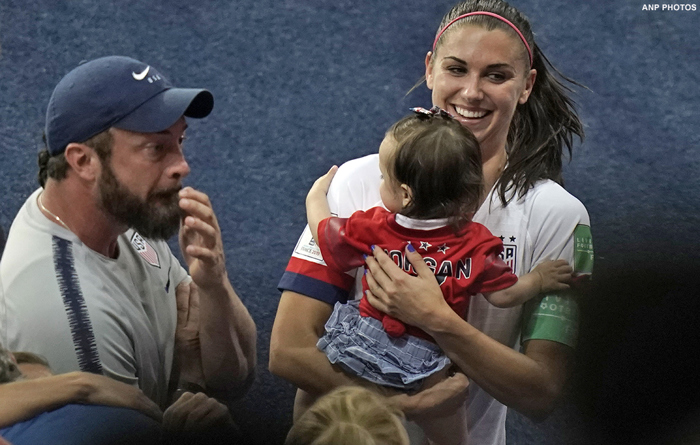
(554, 275)
(321, 185)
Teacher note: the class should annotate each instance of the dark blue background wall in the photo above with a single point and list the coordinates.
(304, 84)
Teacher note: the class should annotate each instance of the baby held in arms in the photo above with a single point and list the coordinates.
(432, 184)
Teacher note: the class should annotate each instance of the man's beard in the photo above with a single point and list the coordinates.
(157, 217)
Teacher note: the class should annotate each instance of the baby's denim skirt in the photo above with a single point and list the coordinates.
(361, 347)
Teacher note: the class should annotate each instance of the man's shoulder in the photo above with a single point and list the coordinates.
(28, 247)
(29, 262)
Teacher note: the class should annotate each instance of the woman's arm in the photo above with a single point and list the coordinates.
(24, 399)
(529, 382)
(299, 324)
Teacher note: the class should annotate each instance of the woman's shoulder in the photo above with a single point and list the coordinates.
(355, 186)
(548, 192)
(358, 168)
(547, 198)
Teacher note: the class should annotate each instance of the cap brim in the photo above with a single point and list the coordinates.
(164, 109)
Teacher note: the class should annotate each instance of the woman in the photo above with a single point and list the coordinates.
(488, 72)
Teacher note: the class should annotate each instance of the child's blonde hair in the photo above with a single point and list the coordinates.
(349, 415)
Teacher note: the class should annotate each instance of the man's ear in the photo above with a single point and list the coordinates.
(83, 161)
(406, 195)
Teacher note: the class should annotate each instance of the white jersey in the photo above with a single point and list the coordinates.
(87, 312)
(540, 226)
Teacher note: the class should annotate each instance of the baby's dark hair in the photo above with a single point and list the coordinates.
(440, 160)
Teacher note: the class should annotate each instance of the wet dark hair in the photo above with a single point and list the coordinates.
(542, 126)
(56, 166)
(440, 160)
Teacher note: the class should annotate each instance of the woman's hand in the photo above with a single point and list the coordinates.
(415, 300)
(100, 390)
(439, 400)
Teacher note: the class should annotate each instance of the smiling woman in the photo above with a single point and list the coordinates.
(514, 74)
(480, 77)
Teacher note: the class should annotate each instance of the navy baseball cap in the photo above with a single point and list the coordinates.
(121, 92)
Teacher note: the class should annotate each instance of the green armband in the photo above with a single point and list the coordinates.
(555, 317)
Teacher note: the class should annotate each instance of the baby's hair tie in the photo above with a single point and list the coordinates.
(434, 111)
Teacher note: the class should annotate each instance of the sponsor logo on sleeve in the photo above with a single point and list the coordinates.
(583, 249)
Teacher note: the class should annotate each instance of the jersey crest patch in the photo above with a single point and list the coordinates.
(509, 255)
(144, 249)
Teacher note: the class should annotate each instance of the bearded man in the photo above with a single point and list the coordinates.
(87, 279)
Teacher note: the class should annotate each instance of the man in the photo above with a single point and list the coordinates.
(87, 279)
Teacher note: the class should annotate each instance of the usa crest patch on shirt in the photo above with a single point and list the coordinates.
(144, 249)
(510, 252)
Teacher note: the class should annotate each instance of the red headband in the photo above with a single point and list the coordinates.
(490, 14)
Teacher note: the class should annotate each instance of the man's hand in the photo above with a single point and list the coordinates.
(195, 412)
(226, 331)
(200, 240)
